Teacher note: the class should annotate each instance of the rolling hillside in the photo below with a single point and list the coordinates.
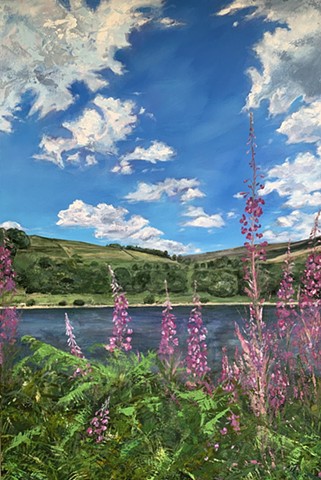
(87, 252)
(275, 252)
(54, 271)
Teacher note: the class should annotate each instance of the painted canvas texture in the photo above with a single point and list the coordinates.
(159, 239)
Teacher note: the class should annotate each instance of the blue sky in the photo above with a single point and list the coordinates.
(127, 120)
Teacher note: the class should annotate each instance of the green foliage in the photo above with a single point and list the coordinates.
(148, 299)
(218, 282)
(31, 302)
(18, 238)
(78, 302)
(158, 428)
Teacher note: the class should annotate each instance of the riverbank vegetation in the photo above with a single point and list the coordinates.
(161, 416)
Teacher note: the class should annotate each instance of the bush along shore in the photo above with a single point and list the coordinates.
(160, 416)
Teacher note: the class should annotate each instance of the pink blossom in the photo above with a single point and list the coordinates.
(99, 423)
(8, 316)
(121, 336)
(168, 330)
(196, 359)
(234, 422)
(74, 347)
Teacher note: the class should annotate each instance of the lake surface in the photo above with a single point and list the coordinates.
(94, 326)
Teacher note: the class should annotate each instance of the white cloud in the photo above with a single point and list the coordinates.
(299, 181)
(289, 55)
(184, 188)
(231, 214)
(45, 48)
(202, 219)
(303, 125)
(295, 226)
(114, 223)
(238, 195)
(91, 160)
(99, 128)
(168, 22)
(75, 158)
(157, 152)
(10, 224)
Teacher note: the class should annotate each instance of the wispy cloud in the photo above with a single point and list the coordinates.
(202, 219)
(167, 22)
(115, 223)
(184, 188)
(46, 47)
(294, 226)
(156, 152)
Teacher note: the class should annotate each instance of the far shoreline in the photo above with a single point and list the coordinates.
(135, 305)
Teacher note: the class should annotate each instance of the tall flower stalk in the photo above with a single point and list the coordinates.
(308, 334)
(71, 341)
(8, 315)
(121, 336)
(285, 307)
(196, 359)
(169, 341)
(74, 348)
(254, 338)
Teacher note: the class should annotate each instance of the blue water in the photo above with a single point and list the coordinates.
(94, 326)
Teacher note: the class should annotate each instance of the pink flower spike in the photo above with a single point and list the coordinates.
(196, 359)
(99, 423)
(8, 315)
(168, 340)
(74, 347)
(121, 336)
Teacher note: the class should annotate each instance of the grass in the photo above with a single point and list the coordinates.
(69, 249)
(49, 300)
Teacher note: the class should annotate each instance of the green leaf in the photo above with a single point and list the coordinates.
(128, 411)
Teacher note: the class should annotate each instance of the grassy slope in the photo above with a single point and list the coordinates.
(275, 252)
(64, 249)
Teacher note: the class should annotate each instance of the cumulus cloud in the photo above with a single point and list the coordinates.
(184, 188)
(114, 223)
(10, 224)
(299, 181)
(46, 47)
(201, 219)
(289, 55)
(157, 152)
(99, 128)
(303, 125)
(295, 226)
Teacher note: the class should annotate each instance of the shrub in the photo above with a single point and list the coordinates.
(204, 300)
(31, 302)
(223, 284)
(62, 303)
(150, 298)
(78, 302)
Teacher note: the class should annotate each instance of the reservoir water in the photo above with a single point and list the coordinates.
(94, 326)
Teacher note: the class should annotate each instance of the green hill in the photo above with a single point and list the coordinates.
(53, 271)
(56, 249)
(275, 252)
